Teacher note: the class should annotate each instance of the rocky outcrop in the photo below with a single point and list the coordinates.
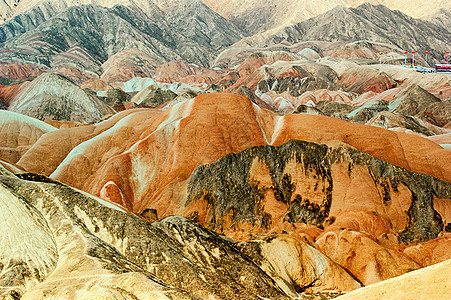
(72, 235)
(141, 35)
(360, 80)
(296, 78)
(413, 101)
(370, 260)
(128, 64)
(9, 92)
(366, 112)
(438, 113)
(176, 71)
(95, 84)
(285, 102)
(153, 96)
(301, 266)
(19, 71)
(259, 15)
(55, 146)
(304, 109)
(300, 182)
(440, 17)
(430, 252)
(51, 96)
(390, 120)
(442, 139)
(334, 109)
(143, 158)
(306, 193)
(368, 22)
(115, 98)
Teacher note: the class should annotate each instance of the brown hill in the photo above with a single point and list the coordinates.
(158, 145)
(52, 96)
(284, 180)
(260, 15)
(78, 245)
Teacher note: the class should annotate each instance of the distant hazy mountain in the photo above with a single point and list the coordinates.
(257, 16)
(372, 23)
(55, 33)
(7, 8)
(441, 17)
(79, 35)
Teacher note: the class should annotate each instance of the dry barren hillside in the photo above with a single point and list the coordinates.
(262, 15)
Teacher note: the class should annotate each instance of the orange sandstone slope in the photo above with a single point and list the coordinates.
(147, 156)
(19, 133)
(9, 92)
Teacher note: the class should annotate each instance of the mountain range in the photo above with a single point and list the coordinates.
(257, 16)
(364, 23)
(189, 149)
(270, 206)
(137, 37)
(86, 36)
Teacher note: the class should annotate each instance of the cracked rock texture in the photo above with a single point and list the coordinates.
(300, 182)
(63, 243)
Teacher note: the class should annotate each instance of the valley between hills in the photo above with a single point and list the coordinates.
(219, 149)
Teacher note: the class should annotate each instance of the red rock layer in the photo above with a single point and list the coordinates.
(361, 80)
(128, 64)
(19, 72)
(150, 154)
(176, 71)
(8, 92)
(96, 85)
(246, 73)
(144, 158)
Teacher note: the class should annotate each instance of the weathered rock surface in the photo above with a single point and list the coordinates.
(247, 73)
(366, 112)
(6, 168)
(9, 92)
(413, 101)
(334, 109)
(259, 15)
(441, 17)
(367, 22)
(81, 246)
(285, 102)
(56, 145)
(438, 113)
(95, 85)
(307, 193)
(360, 80)
(176, 71)
(145, 159)
(390, 120)
(17, 72)
(51, 96)
(115, 98)
(301, 266)
(153, 96)
(431, 252)
(442, 139)
(368, 259)
(300, 182)
(128, 64)
(296, 78)
(142, 35)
